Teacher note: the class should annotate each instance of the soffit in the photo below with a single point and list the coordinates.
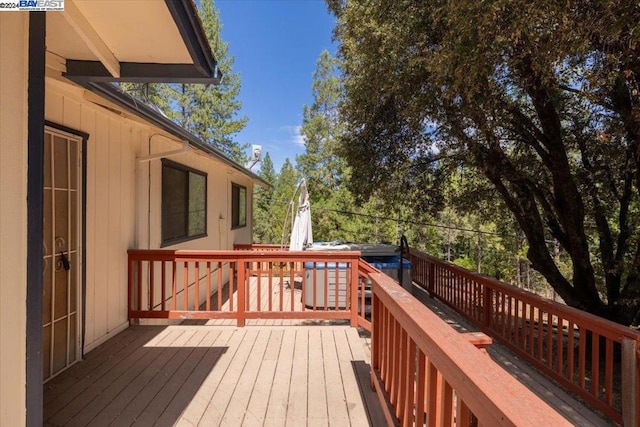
(139, 31)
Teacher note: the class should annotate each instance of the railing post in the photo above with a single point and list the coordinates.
(431, 282)
(130, 290)
(630, 386)
(241, 284)
(486, 306)
(375, 336)
(355, 267)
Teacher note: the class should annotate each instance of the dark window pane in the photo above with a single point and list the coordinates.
(184, 202)
(242, 208)
(238, 206)
(234, 206)
(197, 204)
(174, 196)
(197, 221)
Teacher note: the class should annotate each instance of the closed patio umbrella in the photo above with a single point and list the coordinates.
(301, 233)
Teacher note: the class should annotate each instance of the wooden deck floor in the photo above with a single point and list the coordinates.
(217, 375)
(270, 373)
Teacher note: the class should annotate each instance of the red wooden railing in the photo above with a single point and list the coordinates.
(597, 359)
(426, 373)
(247, 284)
(423, 371)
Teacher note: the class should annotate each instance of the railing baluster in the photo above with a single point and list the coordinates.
(270, 285)
(163, 290)
(281, 294)
(421, 388)
(336, 287)
(292, 285)
(531, 324)
(411, 383)
(325, 271)
(570, 351)
(259, 288)
(131, 287)
(608, 392)
(139, 301)
(219, 285)
(402, 374)
(550, 340)
(351, 292)
(560, 345)
(434, 396)
(196, 303)
(174, 285)
(393, 351)
(447, 404)
(540, 334)
(242, 284)
(185, 286)
(582, 347)
(208, 296)
(595, 364)
(152, 284)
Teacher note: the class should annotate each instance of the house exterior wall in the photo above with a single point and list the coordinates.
(14, 31)
(123, 206)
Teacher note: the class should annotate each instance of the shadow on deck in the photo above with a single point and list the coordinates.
(213, 375)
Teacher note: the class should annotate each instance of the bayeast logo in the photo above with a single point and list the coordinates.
(41, 5)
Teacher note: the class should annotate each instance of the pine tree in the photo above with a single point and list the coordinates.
(320, 163)
(208, 111)
(263, 216)
(213, 109)
(335, 213)
(282, 210)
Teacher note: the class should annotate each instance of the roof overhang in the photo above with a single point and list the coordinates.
(133, 41)
(148, 113)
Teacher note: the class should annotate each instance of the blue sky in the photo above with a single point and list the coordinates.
(276, 44)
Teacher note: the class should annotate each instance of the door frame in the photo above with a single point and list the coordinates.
(82, 219)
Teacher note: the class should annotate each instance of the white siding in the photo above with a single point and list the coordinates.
(13, 215)
(118, 213)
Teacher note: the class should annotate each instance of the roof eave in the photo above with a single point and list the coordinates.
(111, 93)
(204, 68)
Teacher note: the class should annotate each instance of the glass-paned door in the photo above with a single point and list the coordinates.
(62, 251)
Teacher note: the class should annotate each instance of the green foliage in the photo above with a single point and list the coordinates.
(273, 207)
(319, 164)
(531, 110)
(332, 203)
(264, 222)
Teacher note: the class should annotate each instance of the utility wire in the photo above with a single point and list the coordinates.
(405, 221)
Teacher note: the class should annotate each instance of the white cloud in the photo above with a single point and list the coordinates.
(294, 135)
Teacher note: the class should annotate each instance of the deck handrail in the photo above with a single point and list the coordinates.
(206, 284)
(603, 369)
(429, 372)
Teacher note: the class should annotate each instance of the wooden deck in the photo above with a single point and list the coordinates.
(274, 372)
(218, 375)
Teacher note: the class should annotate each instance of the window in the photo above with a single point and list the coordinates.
(184, 203)
(238, 206)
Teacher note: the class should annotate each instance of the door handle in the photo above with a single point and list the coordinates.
(65, 261)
